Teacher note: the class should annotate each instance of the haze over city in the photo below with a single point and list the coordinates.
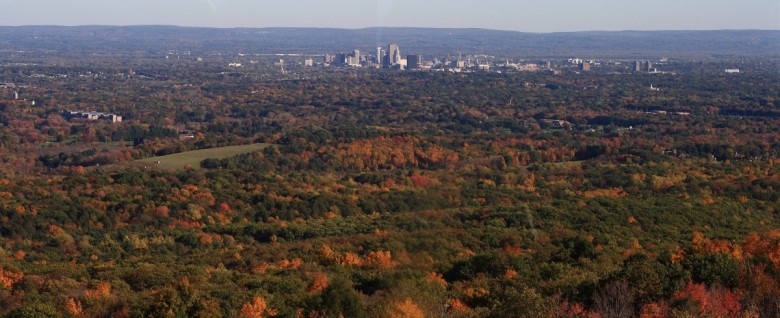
(525, 16)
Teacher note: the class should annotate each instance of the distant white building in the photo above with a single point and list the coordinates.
(93, 116)
(732, 71)
(524, 67)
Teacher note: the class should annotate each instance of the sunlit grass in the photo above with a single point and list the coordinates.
(194, 158)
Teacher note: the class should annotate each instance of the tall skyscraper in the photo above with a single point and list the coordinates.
(413, 62)
(393, 55)
(379, 55)
(585, 66)
(637, 66)
(341, 59)
(356, 57)
(648, 66)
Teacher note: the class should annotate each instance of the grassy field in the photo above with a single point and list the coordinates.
(193, 158)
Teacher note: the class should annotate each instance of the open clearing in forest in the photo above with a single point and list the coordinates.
(194, 158)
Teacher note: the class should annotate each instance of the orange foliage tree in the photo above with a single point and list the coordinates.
(380, 259)
(256, 308)
(655, 310)
(73, 308)
(319, 283)
(715, 302)
(8, 279)
(102, 290)
(703, 245)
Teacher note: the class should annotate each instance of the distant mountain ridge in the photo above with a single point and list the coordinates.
(626, 44)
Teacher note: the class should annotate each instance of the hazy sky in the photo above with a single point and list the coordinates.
(518, 15)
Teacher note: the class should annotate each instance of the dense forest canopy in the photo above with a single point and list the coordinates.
(386, 193)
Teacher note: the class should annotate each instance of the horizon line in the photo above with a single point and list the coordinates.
(373, 27)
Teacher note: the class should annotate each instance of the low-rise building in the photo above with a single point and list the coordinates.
(93, 116)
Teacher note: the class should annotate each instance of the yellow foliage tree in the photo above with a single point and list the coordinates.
(291, 264)
(381, 259)
(102, 290)
(351, 259)
(436, 278)
(327, 255)
(406, 309)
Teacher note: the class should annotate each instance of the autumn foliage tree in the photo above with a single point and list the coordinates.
(405, 309)
(710, 302)
(256, 308)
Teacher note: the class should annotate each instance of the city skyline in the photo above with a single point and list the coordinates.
(524, 16)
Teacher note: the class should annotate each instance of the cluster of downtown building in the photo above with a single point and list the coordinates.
(391, 58)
